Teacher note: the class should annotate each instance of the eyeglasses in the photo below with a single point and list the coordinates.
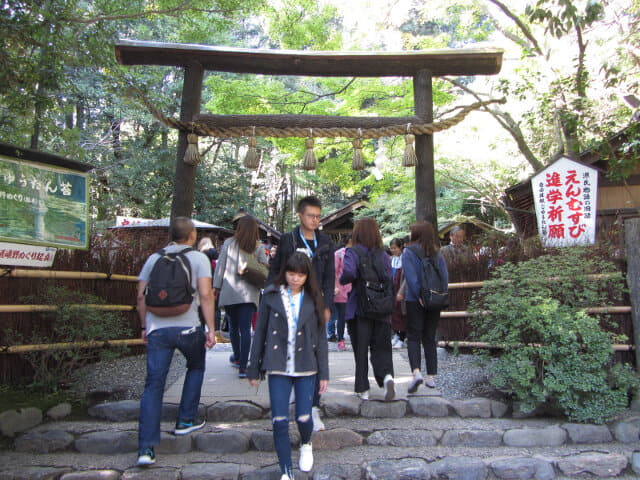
(312, 216)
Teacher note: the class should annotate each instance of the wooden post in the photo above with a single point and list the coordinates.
(425, 174)
(185, 176)
(632, 248)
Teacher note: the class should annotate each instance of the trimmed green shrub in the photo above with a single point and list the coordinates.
(72, 321)
(553, 353)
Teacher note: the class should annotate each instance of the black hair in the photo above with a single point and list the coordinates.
(310, 201)
(398, 242)
(299, 262)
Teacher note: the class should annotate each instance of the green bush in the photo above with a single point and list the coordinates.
(72, 321)
(552, 352)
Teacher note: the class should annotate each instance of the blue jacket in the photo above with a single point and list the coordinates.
(350, 275)
(412, 269)
(270, 339)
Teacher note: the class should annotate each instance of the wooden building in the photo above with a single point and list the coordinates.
(617, 199)
(339, 223)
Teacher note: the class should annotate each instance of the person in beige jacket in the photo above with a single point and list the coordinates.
(238, 297)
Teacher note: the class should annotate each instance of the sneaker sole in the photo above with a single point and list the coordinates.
(145, 463)
(185, 431)
(414, 388)
(391, 391)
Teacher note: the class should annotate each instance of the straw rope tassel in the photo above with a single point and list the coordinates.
(309, 162)
(251, 159)
(192, 155)
(409, 159)
(358, 159)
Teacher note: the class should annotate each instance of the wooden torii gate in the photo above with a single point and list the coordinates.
(421, 65)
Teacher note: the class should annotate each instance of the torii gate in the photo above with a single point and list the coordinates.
(421, 65)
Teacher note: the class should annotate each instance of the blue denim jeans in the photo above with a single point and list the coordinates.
(161, 345)
(279, 392)
(240, 330)
(341, 308)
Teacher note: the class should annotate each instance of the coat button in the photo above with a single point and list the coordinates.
(276, 315)
(275, 331)
(275, 347)
(299, 333)
(299, 349)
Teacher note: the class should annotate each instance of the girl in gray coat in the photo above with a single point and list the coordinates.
(290, 344)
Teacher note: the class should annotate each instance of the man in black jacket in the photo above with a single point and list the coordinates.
(318, 246)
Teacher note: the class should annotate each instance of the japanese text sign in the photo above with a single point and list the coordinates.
(42, 204)
(565, 195)
(26, 255)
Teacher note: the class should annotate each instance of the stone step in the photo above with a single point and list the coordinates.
(385, 448)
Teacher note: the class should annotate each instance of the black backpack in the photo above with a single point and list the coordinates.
(169, 291)
(434, 292)
(374, 288)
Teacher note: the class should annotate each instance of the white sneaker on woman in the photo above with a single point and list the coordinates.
(363, 395)
(318, 424)
(306, 457)
(285, 477)
(389, 388)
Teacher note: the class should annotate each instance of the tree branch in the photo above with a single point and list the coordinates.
(508, 123)
(523, 28)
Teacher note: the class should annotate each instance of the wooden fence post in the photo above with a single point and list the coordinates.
(632, 247)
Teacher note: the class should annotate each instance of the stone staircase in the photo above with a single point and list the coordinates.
(421, 437)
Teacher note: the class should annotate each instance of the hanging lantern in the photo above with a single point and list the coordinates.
(251, 159)
(309, 162)
(358, 159)
(192, 155)
(409, 158)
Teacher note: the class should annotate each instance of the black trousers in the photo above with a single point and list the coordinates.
(367, 334)
(421, 329)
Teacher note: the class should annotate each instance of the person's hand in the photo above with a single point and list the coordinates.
(327, 315)
(420, 302)
(143, 336)
(216, 292)
(399, 297)
(336, 291)
(211, 339)
(322, 386)
(254, 382)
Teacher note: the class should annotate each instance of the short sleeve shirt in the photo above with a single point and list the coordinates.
(200, 268)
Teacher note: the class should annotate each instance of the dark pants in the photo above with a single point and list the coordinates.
(367, 334)
(341, 309)
(240, 330)
(279, 391)
(421, 329)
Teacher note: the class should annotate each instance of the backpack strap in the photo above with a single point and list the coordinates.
(415, 248)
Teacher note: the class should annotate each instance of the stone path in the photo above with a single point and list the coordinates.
(221, 380)
(414, 437)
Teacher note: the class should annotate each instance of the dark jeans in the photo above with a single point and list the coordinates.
(341, 309)
(240, 330)
(421, 328)
(279, 392)
(375, 335)
(160, 348)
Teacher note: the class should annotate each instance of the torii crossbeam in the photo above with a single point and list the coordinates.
(421, 65)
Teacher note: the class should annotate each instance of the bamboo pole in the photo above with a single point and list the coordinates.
(50, 308)
(617, 347)
(68, 345)
(605, 310)
(63, 274)
(591, 276)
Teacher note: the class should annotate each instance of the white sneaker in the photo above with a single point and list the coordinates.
(285, 477)
(397, 343)
(318, 424)
(364, 395)
(389, 388)
(306, 458)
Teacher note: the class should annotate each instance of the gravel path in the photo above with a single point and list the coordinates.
(459, 376)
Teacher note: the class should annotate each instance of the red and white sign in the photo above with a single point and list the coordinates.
(565, 195)
(20, 255)
(128, 221)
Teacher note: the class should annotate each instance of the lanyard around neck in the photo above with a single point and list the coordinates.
(295, 312)
(315, 243)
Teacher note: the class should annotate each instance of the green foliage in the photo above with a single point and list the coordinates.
(72, 320)
(553, 352)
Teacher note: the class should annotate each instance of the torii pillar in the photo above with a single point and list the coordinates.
(420, 65)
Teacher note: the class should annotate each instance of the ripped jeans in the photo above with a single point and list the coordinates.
(279, 392)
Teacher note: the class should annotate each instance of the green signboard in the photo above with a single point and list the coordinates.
(42, 204)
